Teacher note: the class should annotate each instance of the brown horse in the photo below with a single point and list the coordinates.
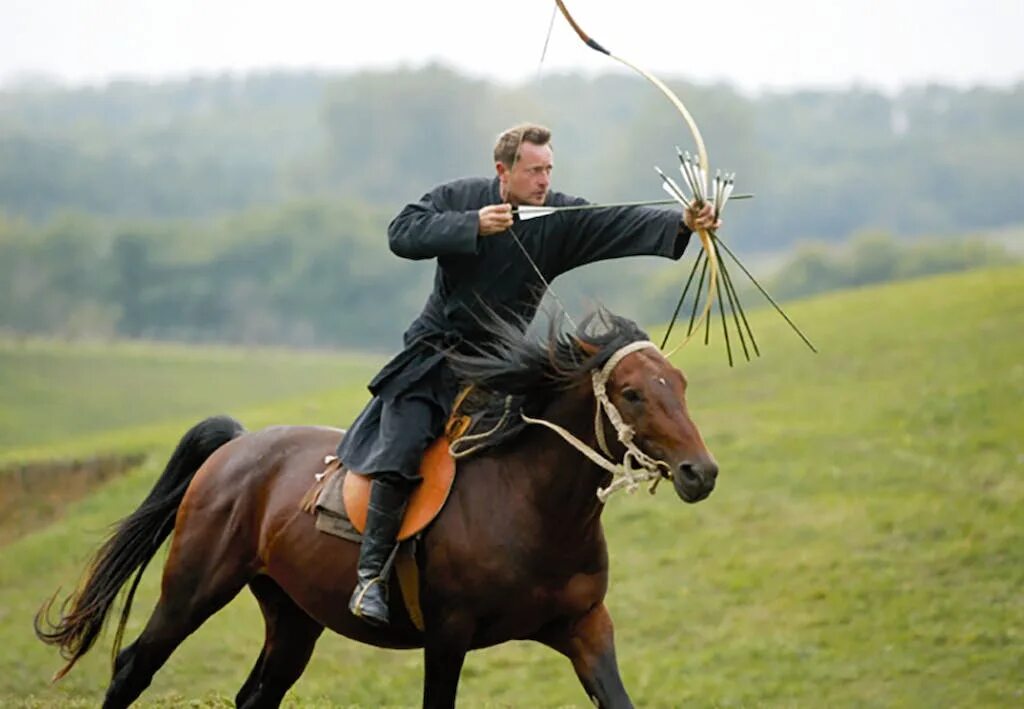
(518, 551)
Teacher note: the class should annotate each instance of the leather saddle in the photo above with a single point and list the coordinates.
(437, 468)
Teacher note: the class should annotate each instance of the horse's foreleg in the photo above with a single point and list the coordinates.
(445, 646)
(253, 680)
(589, 642)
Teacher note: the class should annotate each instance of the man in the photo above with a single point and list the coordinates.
(465, 225)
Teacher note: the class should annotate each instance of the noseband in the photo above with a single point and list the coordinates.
(636, 467)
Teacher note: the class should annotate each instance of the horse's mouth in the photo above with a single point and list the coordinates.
(691, 487)
(692, 496)
(692, 492)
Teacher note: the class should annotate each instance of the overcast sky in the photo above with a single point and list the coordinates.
(776, 44)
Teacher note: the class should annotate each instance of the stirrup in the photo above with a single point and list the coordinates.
(356, 604)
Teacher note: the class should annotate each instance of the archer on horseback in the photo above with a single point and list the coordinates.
(488, 262)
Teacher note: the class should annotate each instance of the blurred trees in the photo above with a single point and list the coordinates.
(304, 274)
(316, 273)
(823, 163)
(254, 209)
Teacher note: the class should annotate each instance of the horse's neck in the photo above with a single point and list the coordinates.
(561, 476)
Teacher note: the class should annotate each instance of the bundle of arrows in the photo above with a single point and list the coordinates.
(718, 274)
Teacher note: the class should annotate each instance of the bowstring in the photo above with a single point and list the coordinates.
(515, 161)
(526, 253)
(547, 38)
(547, 285)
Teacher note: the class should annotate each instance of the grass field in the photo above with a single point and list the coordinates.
(865, 546)
(73, 414)
(63, 398)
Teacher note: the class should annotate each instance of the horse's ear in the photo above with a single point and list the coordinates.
(588, 349)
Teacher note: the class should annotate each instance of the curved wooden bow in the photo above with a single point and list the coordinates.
(706, 241)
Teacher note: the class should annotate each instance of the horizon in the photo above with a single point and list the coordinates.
(757, 49)
(41, 82)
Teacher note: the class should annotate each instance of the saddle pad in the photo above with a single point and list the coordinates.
(330, 510)
(437, 470)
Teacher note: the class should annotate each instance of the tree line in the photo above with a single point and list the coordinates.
(823, 164)
(254, 209)
(317, 273)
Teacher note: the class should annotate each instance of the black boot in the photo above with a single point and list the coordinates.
(383, 520)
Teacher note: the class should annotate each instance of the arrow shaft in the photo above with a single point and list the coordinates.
(531, 212)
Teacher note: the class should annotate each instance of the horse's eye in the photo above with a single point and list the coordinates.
(632, 395)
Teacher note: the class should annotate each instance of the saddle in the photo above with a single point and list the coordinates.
(339, 502)
(346, 497)
(438, 472)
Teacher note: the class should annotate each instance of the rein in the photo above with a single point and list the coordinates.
(636, 467)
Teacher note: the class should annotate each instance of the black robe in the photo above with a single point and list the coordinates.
(474, 271)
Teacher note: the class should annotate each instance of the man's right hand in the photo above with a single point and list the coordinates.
(495, 218)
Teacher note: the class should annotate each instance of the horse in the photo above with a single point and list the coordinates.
(516, 553)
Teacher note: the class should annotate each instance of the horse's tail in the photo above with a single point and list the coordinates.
(129, 549)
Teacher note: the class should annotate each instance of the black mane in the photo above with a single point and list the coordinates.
(515, 370)
(512, 361)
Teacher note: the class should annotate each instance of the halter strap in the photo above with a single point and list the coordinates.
(636, 466)
(600, 381)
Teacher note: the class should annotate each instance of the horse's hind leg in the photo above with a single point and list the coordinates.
(290, 637)
(198, 581)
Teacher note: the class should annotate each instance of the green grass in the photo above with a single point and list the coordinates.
(68, 403)
(865, 546)
(65, 399)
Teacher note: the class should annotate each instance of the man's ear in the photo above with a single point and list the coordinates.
(502, 169)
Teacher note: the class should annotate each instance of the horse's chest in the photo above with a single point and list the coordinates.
(540, 577)
(513, 580)
(542, 597)
(522, 613)
(578, 594)
(527, 576)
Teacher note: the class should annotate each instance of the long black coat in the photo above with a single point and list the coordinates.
(475, 271)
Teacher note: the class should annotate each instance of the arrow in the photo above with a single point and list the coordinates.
(530, 212)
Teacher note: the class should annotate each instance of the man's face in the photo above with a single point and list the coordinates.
(528, 181)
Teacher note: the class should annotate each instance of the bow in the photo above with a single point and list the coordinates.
(707, 239)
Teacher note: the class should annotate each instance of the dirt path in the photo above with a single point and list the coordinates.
(34, 494)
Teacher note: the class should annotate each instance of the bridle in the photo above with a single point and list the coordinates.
(636, 466)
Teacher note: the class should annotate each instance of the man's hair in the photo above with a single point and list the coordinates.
(507, 147)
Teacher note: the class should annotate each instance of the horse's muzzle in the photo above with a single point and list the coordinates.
(695, 479)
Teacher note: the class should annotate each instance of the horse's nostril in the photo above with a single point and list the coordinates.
(689, 473)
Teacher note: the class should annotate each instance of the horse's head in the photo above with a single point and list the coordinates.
(650, 394)
(610, 357)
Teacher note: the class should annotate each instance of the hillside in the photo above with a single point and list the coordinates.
(56, 396)
(863, 548)
(73, 415)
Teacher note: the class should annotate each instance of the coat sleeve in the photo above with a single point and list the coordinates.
(432, 227)
(596, 235)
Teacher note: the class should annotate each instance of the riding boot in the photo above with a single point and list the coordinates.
(383, 520)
